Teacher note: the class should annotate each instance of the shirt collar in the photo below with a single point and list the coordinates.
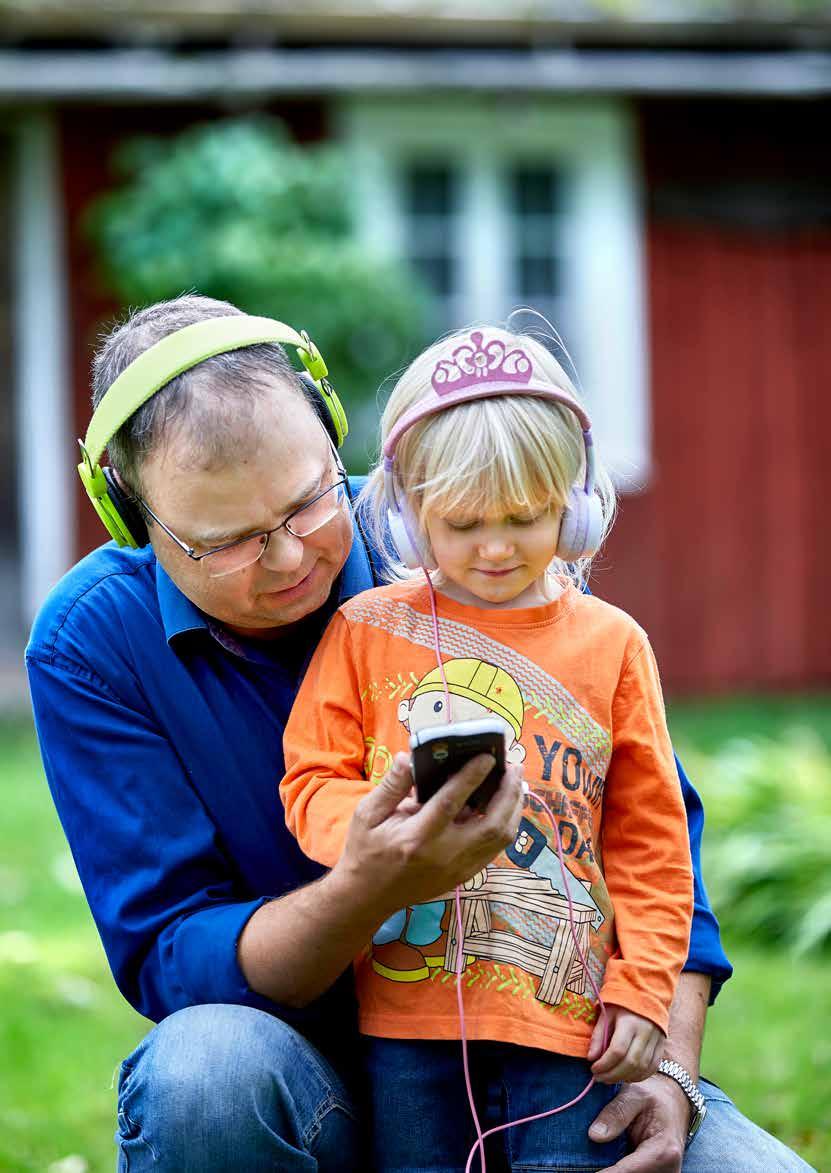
(357, 574)
(181, 617)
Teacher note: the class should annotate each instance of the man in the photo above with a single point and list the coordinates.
(161, 680)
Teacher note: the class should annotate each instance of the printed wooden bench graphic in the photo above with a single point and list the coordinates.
(557, 965)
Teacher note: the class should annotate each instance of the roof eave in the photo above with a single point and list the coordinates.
(141, 75)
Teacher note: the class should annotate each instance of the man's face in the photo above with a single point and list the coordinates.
(284, 459)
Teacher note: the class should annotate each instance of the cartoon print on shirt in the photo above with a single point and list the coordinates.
(478, 690)
(521, 919)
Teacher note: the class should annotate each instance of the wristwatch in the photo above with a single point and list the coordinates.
(690, 1089)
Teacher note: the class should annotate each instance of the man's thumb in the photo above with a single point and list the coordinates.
(394, 786)
(615, 1117)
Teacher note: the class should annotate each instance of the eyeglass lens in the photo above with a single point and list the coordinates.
(301, 524)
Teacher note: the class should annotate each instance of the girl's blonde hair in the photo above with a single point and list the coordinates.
(508, 454)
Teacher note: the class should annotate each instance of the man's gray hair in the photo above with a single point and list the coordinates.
(208, 406)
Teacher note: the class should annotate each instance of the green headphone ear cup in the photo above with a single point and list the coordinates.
(113, 522)
(99, 484)
(325, 408)
(126, 509)
(338, 414)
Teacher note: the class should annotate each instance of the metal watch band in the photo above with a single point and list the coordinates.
(690, 1089)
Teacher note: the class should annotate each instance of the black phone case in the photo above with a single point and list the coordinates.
(436, 761)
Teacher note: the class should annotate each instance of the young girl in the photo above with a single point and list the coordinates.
(490, 483)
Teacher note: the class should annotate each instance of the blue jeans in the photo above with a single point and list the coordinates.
(216, 1089)
(728, 1142)
(420, 1086)
(228, 1089)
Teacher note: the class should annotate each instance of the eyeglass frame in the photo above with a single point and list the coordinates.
(343, 479)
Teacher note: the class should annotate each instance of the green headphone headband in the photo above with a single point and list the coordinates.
(185, 348)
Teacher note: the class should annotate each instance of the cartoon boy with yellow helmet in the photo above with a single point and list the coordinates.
(413, 940)
(479, 689)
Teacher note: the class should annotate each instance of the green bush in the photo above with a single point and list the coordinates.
(234, 209)
(767, 846)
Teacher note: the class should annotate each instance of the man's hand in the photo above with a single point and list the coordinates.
(400, 852)
(657, 1114)
(634, 1050)
(397, 852)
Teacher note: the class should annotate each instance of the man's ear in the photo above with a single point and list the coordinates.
(404, 714)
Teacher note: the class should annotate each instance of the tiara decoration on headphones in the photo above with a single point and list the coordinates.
(478, 362)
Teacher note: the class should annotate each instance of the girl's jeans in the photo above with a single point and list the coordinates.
(228, 1089)
(421, 1119)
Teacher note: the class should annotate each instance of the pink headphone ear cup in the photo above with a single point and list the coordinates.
(581, 526)
(404, 537)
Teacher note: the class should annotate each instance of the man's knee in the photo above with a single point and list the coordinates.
(198, 1054)
(221, 1074)
(731, 1143)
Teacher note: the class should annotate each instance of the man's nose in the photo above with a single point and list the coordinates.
(284, 551)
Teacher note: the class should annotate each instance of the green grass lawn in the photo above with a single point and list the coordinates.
(64, 1027)
(768, 1046)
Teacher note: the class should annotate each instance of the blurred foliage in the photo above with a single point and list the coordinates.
(767, 842)
(235, 210)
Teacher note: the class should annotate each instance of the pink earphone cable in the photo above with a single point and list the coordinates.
(437, 643)
(604, 1016)
(460, 963)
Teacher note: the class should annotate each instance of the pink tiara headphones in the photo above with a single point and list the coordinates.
(483, 368)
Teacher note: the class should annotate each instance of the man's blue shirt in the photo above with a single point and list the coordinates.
(161, 737)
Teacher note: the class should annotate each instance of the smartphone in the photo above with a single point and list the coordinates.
(441, 750)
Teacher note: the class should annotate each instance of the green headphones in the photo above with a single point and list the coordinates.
(153, 369)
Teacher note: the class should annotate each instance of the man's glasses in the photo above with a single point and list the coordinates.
(242, 552)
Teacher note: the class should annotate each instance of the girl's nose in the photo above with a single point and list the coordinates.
(283, 553)
(496, 548)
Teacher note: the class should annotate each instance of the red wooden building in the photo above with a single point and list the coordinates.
(664, 195)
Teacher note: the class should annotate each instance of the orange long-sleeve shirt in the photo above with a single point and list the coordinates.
(575, 684)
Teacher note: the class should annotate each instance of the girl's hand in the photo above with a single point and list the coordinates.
(636, 1047)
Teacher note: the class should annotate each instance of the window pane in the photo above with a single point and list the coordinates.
(534, 199)
(430, 190)
(536, 276)
(430, 201)
(437, 272)
(535, 191)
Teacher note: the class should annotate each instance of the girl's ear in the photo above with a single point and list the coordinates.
(581, 526)
(404, 533)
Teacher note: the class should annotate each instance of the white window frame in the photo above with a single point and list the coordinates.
(594, 143)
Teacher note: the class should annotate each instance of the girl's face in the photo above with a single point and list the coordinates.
(498, 560)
